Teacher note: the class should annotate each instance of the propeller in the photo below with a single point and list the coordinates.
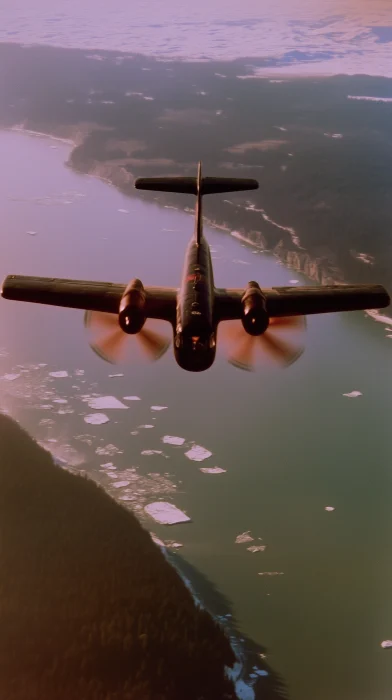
(248, 351)
(109, 341)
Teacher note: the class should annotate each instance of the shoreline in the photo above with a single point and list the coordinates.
(289, 257)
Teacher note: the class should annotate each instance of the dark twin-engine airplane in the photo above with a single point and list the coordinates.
(259, 316)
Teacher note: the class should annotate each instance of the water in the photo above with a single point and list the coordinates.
(290, 441)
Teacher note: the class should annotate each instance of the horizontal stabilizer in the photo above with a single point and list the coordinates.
(188, 185)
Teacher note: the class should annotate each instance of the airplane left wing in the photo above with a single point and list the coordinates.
(296, 301)
(88, 295)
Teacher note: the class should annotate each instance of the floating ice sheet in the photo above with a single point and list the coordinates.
(173, 440)
(329, 508)
(10, 377)
(257, 548)
(244, 537)
(123, 211)
(166, 513)
(270, 573)
(198, 453)
(79, 372)
(96, 419)
(111, 376)
(146, 426)
(152, 452)
(131, 398)
(106, 402)
(212, 470)
(59, 375)
(108, 465)
(158, 408)
(108, 450)
(294, 281)
(121, 484)
(387, 644)
(353, 394)
(60, 401)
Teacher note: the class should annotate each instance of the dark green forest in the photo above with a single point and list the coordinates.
(90, 609)
(145, 117)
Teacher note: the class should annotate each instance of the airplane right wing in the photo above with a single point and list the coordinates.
(298, 301)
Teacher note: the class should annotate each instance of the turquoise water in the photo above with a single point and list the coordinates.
(289, 440)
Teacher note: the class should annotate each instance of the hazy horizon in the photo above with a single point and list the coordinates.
(334, 37)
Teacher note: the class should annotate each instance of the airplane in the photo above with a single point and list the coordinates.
(198, 312)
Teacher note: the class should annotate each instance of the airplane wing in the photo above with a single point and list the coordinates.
(81, 294)
(296, 301)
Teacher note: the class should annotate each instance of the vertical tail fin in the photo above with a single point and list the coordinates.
(199, 192)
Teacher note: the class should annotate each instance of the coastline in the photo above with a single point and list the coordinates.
(297, 259)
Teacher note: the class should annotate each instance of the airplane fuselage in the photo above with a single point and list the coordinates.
(195, 333)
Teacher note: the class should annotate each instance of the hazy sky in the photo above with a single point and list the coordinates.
(305, 35)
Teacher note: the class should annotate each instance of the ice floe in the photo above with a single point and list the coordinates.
(271, 573)
(374, 313)
(212, 470)
(257, 548)
(60, 401)
(108, 465)
(131, 398)
(369, 99)
(173, 440)
(105, 402)
(387, 644)
(108, 450)
(79, 372)
(96, 419)
(59, 375)
(151, 452)
(353, 394)
(111, 376)
(121, 484)
(294, 281)
(166, 513)
(197, 453)
(146, 426)
(158, 408)
(10, 377)
(329, 508)
(123, 211)
(32, 233)
(244, 537)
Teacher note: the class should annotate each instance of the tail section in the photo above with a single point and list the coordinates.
(196, 185)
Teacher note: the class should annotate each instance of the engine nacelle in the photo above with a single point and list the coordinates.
(255, 319)
(131, 315)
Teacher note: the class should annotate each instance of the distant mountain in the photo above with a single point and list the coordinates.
(321, 148)
(90, 608)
